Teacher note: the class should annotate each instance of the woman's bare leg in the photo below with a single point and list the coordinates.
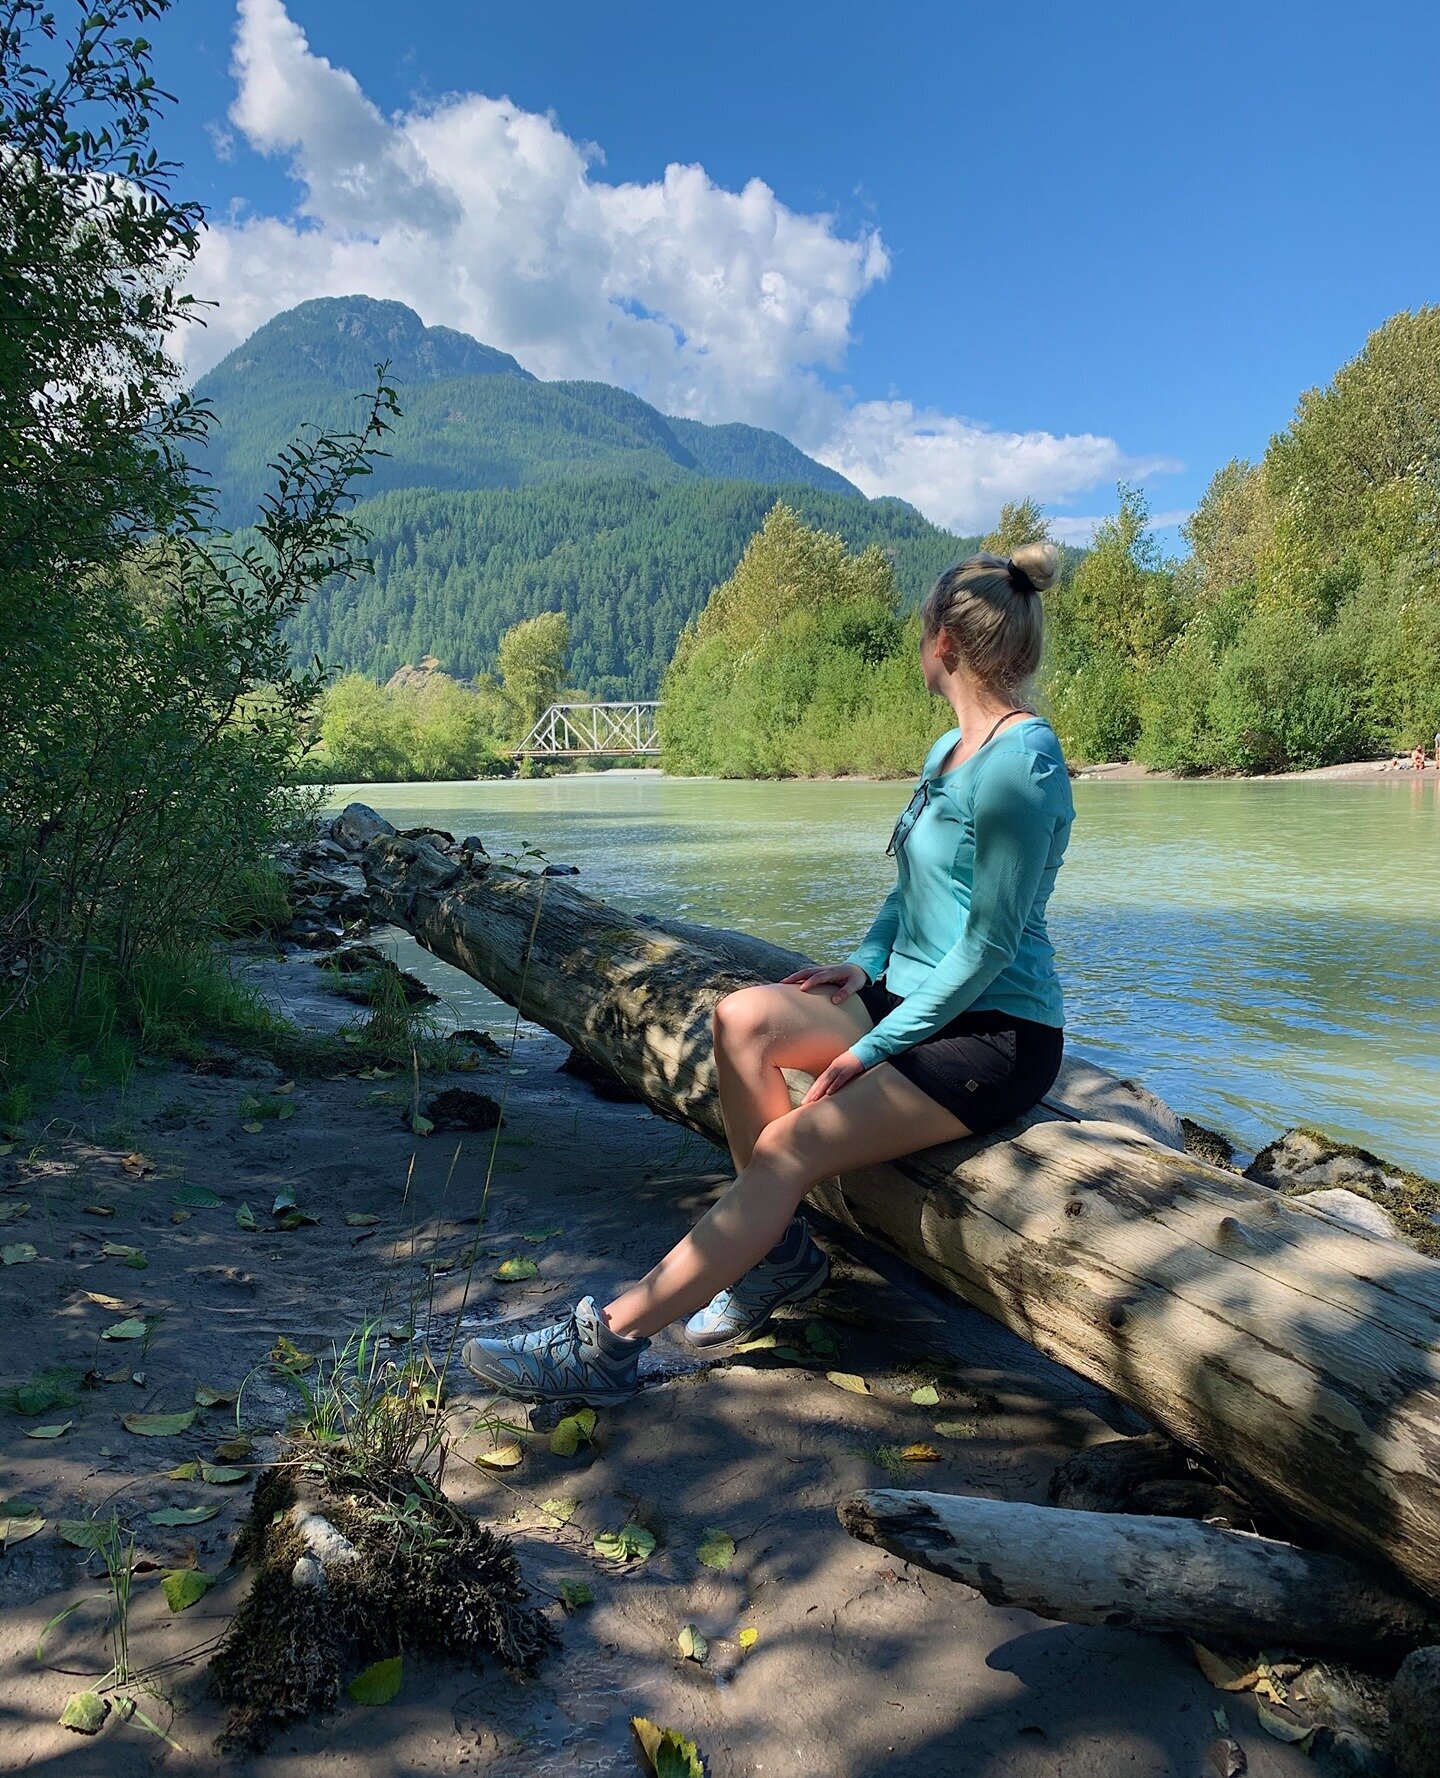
(757, 1032)
(874, 1118)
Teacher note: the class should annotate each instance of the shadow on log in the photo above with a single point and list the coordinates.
(1298, 1355)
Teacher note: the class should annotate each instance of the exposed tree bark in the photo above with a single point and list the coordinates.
(1144, 1573)
(1298, 1355)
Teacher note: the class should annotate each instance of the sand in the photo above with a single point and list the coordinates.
(864, 1666)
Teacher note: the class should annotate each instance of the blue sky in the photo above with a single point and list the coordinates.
(962, 253)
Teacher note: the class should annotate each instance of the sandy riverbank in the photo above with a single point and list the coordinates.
(1352, 772)
(864, 1667)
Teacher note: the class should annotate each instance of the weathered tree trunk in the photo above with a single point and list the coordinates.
(1300, 1356)
(1144, 1573)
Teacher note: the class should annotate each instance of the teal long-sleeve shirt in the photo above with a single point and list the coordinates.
(964, 926)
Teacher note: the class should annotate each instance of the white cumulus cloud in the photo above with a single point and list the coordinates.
(716, 304)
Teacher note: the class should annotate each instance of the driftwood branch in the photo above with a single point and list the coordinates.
(1299, 1355)
(1144, 1573)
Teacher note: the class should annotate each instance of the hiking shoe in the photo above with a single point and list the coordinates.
(574, 1359)
(794, 1268)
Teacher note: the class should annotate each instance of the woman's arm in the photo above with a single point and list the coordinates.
(873, 951)
(1014, 826)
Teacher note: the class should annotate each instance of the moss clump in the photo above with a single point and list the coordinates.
(1304, 1160)
(1207, 1145)
(429, 1579)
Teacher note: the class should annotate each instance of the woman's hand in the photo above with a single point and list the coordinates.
(850, 976)
(845, 1068)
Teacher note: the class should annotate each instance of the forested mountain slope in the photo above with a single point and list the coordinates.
(628, 560)
(503, 496)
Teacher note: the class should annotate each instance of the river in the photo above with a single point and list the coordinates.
(1260, 954)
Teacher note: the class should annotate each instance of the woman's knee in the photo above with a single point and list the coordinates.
(745, 1016)
(781, 1146)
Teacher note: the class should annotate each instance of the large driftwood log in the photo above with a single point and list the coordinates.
(1300, 1356)
(1144, 1573)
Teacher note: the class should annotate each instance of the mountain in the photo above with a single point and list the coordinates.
(628, 560)
(473, 416)
(503, 496)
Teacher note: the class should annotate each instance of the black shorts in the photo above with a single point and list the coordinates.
(985, 1067)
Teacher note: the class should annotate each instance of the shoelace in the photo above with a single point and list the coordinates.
(565, 1347)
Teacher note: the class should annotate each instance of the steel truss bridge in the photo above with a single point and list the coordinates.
(566, 731)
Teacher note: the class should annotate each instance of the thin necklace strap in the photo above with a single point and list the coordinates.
(1020, 710)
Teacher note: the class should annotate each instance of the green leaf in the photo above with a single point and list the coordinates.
(540, 1234)
(12, 1212)
(666, 1752)
(49, 1431)
(252, 1126)
(565, 1439)
(198, 1197)
(847, 1380)
(360, 1219)
(378, 1684)
(284, 1200)
(182, 1515)
(512, 1271)
(185, 1587)
(132, 1256)
(692, 1645)
(926, 1396)
(561, 1510)
(245, 1217)
(956, 1428)
(18, 1520)
(296, 1219)
(84, 1534)
(574, 1594)
(35, 1398)
(85, 1712)
(184, 1472)
(19, 1253)
(132, 1328)
(205, 1397)
(159, 1425)
(819, 1339)
(630, 1542)
(716, 1548)
(220, 1475)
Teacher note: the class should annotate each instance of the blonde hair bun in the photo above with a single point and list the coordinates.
(1038, 562)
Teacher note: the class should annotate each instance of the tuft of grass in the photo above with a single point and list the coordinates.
(57, 1386)
(257, 903)
(167, 1005)
(396, 1029)
(372, 1415)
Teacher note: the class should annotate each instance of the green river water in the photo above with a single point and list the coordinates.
(1260, 954)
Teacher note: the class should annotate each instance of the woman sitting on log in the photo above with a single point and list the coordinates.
(945, 1022)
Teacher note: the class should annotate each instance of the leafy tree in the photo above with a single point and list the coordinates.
(1108, 627)
(799, 662)
(532, 665)
(1020, 521)
(152, 714)
(1359, 466)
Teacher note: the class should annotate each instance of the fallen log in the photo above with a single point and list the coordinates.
(1298, 1355)
(1144, 1573)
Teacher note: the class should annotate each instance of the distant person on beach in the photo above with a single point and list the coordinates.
(947, 1021)
(1417, 759)
(1437, 753)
